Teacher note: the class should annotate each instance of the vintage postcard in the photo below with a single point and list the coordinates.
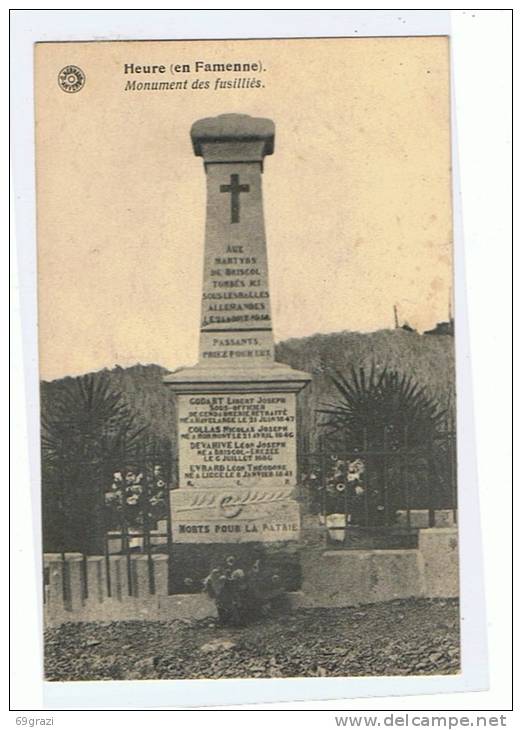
(246, 338)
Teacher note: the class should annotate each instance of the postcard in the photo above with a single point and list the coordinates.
(247, 359)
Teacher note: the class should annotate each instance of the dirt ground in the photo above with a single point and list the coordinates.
(404, 637)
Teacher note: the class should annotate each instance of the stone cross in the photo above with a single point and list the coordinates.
(234, 189)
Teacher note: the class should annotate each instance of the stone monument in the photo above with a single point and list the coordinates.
(237, 406)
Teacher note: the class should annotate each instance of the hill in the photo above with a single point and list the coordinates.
(429, 359)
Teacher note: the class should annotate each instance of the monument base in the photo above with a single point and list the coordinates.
(237, 466)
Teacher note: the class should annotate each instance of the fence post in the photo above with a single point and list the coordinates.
(366, 491)
(169, 478)
(406, 475)
(433, 483)
(452, 448)
(85, 577)
(345, 541)
(322, 461)
(126, 549)
(385, 478)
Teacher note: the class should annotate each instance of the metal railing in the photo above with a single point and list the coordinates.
(378, 491)
(130, 514)
(367, 494)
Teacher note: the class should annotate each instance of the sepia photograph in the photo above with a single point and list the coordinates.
(246, 331)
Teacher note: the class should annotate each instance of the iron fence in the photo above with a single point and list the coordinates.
(378, 493)
(137, 512)
(120, 506)
(364, 496)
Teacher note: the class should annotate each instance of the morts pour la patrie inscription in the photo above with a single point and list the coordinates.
(236, 407)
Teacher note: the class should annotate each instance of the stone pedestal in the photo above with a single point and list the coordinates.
(236, 407)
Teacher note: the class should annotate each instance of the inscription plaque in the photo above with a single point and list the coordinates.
(243, 439)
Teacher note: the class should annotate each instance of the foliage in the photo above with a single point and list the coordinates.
(241, 594)
(136, 499)
(343, 488)
(86, 426)
(76, 470)
(430, 358)
(382, 409)
(86, 420)
(385, 446)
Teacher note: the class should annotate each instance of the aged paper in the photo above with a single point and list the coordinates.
(363, 148)
(247, 358)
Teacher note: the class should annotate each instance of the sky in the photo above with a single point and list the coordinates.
(357, 195)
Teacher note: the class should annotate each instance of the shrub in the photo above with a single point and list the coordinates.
(382, 408)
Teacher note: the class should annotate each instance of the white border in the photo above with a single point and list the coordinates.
(30, 26)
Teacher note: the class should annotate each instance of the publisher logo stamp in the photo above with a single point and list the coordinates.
(71, 79)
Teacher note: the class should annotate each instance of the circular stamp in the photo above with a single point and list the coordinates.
(71, 79)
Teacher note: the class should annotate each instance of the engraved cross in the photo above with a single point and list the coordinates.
(234, 189)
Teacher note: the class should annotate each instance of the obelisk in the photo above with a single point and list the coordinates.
(236, 407)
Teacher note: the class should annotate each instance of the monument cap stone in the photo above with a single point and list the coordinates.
(255, 135)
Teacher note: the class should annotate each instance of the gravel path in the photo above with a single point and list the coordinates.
(414, 636)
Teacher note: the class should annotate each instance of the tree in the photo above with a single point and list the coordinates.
(376, 407)
(87, 430)
(382, 414)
